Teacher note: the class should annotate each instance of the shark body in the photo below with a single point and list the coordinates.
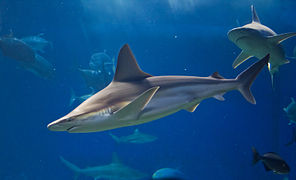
(136, 138)
(256, 39)
(135, 97)
(116, 170)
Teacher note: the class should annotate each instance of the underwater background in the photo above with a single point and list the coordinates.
(168, 37)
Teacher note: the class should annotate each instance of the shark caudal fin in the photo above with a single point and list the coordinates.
(256, 156)
(247, 77)
(71, 166)
(115, 138)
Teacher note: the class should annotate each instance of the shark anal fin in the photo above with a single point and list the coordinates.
(255, 17)
(133, 109)
(127, 67)
(219, 97)
(192, 108)
(280, 37)
(240, 59)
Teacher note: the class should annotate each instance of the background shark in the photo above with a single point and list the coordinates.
(291, 111)
(136, 138)
(113, 171)
(135, 97)
(256, 39)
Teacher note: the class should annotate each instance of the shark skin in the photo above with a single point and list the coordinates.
(256, 39)
(113, 171)
(136, 138)
(135, 97)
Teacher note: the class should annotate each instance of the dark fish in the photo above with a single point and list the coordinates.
(38, 43)
(272, 162)
(293, 139)
(40, 67)
(17, 49)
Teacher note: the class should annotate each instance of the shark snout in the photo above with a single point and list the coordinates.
(62, 124)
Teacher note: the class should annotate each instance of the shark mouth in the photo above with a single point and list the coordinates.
(71, 128)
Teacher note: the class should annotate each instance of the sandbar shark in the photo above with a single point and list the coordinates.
(116, 170)
(256, 39)
(136, 138)
(135, 97)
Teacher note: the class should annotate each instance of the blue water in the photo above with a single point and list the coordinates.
(168, 38)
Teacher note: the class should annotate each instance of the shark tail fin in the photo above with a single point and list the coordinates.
(115, 138)
(256, 156)
(71, 166)
(247, 77)
(73, 97)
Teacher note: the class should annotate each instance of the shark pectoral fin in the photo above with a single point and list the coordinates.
(132, 110)
(219, 97)
(280, 37)
(240, 59)
(192, 108)
(292, 99)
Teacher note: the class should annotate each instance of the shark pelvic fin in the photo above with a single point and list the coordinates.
(219, 97)
(127, 67)
(255, 17)
(280, 37)
(242, 57)
(192, 108)
(133, 109)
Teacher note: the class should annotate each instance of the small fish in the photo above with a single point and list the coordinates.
(271, 162)
(136, 138)
(168, 174)
(101, 60)
(95, 79)
(40, 67)
(291, 111)
(80, 98)
(37, 42)
(293, 139)
(17, 49)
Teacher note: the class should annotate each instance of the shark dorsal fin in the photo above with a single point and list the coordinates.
(127, 67)
(255, 17)
(115, 159)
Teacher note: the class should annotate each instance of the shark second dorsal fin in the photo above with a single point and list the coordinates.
(216, 75)
(127, 67)
(255, 17)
